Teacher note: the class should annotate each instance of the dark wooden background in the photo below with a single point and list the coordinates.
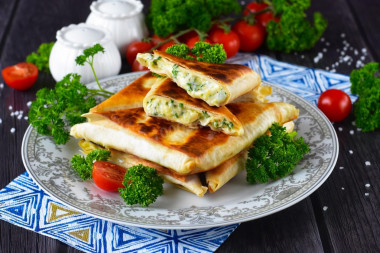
(351, 221)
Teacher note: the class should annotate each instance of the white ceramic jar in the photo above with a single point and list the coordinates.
(71, 41)
(123, 18)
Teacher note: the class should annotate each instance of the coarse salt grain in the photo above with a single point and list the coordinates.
(325, 208)
(327, 43)
(353, 123)
(350, 151)
(10, 108)
(367, 163)
(29, 104)
(1, 85)
(13, 130)
(341, 167)
(342, 35)
(1, 121)
(359, 129)
(366, 194)
(356, 52)
(346, 58)
(351, 132)
(12, 114)
(26, 118)
(367, 185)
(322, 39)
(324, 50)
(19, 116)
(17, 113)
(340, 129)
(342, 188)
(364, 50)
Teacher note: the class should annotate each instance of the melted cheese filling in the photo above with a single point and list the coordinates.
(195, 85)
(178, 112)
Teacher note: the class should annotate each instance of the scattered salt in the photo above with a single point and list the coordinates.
(350, 151)
(17, 113)
(19, 117)
(367, 185)
(342, 188)
(322, 39)
(13, 130)
(342, 35)
(359, 129)
(353, 123)
(364, 50)
(337, 50)
(367, 163)
(366, 194)
(302, 56)
(1, 85)
(362, 58)
(333, 70)
(325, 208)
(29, 104)
(327, 43)
(26, 118)
(12, 114)
(346, 58)
(341, 167)
(10, 108)
(327, 68)
(356, 52)
(324, 50)
(352, 132)
(1, 121)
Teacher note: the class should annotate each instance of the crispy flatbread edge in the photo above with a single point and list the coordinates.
(219, 176)
(190, 183)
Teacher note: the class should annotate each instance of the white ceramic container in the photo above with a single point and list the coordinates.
(123, 18)
(71, 41)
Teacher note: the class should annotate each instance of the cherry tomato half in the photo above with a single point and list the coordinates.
(137, 47)
(21, 76)
(230, 40)
(136, 66)
(335, 104)
(251, 36)
(108, 176)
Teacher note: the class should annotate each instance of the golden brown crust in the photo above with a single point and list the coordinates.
(225, 73)
(131, 96)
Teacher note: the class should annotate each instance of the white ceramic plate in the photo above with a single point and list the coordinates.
(49, 165)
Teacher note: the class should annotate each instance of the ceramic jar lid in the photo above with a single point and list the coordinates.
(116, 9)
(82, 36)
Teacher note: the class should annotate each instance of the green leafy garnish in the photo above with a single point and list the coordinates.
(41, 57)
(54, 110)
(202, 50)
(142, 185)
(167, 17)
(365, 82)
(294, 32)
(274, 156)
(83, 165)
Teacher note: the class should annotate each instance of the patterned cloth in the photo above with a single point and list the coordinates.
(24, 204)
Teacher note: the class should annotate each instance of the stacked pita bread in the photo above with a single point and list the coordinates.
(190, 138)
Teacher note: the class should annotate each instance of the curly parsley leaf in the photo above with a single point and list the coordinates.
(274, 156)
(294, 32)
(203, 51)
(365, 82)
(142, 185)
(41, 57)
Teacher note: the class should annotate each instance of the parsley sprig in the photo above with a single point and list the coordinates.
(54, 110)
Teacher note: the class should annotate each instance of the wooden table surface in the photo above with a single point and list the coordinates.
(351, 222)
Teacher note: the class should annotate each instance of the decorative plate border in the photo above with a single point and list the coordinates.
(45, 167)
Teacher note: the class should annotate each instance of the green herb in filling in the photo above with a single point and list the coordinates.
(175, 70)
(205, 115)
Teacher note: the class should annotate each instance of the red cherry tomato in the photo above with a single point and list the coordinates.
(251, 36)
(21, 76)
(166, 45)
(191, 42)
(230, 40)
(265, 17)
(156, 39)
(184, 38)
(335, 104)
(136, 66)
(137, 47)
(254, 7)
(108, 176)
